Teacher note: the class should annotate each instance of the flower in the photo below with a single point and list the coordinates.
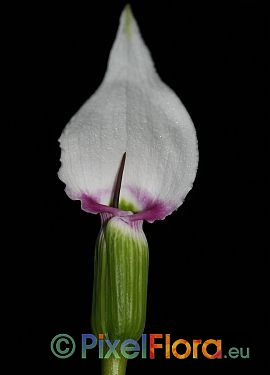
(130, 154)
(132, 111)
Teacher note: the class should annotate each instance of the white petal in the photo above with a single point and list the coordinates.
(132, 111)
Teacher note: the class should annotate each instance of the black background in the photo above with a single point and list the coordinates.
(202, 257)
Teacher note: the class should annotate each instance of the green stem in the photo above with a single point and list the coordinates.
(113, 366)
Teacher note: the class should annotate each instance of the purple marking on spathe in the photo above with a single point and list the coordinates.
(155, 210)
(90, 205)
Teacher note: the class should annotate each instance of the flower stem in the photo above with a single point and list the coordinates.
(113, 366)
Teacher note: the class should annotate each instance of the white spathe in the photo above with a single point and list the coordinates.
(132, 111)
